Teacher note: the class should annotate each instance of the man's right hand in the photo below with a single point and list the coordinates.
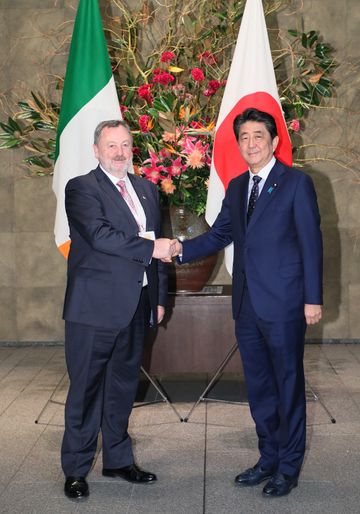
(163, 249)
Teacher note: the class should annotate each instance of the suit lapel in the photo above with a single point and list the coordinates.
(268, 193)
(112, 192)
(243, 194)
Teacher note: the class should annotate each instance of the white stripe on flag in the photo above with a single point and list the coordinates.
(76, 155)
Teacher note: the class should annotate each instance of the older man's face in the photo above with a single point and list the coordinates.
(256, 146)
(114, 150)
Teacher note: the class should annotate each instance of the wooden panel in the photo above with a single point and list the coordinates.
(197, 334)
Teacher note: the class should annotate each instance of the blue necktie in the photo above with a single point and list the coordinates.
(253, 197)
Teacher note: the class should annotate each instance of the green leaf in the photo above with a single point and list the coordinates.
(304, 40)
(305, 96)
(15, 126)
(43, 125)
(324, 81)
(38, 102)
(323, 91)
(301, 61)
(36, 161)
(327, 63)
(299, 110)
(153, 112)
(6, 128)
(312, 37)
(322, 50)
(10, 143)
(293, 32)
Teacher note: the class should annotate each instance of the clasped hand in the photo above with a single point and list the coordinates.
(166, 249)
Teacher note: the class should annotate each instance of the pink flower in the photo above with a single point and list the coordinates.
(167, 57)
(163, 78)
(165, 153)
(123, 109)
(144, 92)
(207, 57)
(197, 74)
(177, 167)
(145, 123)
(152, 172)
(196, 153)
(167, 186)
(294, 125)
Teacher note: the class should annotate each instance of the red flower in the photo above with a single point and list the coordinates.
(167, 57)
(213, 86)
(197, 74)
(207, 57)
(123, 109)
(144, 92)
(145, 123)
(163, 78)
(294, 125)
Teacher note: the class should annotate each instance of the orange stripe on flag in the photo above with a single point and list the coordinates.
(64, 249)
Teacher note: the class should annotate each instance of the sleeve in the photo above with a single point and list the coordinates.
(86, 215)
(307, 220)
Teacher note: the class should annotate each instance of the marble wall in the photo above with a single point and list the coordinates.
(32, 272)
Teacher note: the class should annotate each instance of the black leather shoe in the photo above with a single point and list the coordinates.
(131, 474)
(76, 488)
(254, 476)
(280, 485)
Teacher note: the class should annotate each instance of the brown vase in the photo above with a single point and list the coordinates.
(180, 223)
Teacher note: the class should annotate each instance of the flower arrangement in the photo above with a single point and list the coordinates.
(173, 142)
(170, 61)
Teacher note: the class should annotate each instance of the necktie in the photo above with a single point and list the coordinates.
(125, 194)
(253, 197)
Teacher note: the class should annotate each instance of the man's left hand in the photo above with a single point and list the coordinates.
(313, 313)
(160, 313)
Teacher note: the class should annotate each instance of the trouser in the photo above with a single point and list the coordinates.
(103, 366)
(272, 356)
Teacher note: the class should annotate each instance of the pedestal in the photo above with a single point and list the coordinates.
(197, 333)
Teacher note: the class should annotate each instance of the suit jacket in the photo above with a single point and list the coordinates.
(107, 258)
(279, 253)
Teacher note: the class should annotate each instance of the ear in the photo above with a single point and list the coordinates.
(96, 151)
(275, 142)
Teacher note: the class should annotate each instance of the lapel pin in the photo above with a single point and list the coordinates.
(271, 189)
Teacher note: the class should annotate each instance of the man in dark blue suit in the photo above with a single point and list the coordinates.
(271, 215)
(116, 286)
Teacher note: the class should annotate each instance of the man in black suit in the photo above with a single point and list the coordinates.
(271, 215)
(116, 287)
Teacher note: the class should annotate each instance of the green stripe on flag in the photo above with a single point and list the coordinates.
(88, 69)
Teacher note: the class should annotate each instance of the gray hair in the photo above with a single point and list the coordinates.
(110, 124)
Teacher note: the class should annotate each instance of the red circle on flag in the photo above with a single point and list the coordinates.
(227, 158)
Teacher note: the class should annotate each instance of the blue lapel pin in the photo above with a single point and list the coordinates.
(271, 189)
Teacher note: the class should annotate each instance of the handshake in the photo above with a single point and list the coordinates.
(166, 249)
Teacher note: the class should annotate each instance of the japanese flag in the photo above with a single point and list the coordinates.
(251, 83)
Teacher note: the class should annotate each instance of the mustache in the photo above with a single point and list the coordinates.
(119, 158)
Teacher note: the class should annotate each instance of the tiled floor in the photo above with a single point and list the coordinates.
(196, 462)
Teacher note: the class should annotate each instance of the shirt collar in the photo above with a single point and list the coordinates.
(114, 179)
(265, 171)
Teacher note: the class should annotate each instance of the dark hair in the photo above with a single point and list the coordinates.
(110, 124)
(252, 114)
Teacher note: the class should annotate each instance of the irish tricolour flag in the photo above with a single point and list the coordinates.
(89, 97)
(251, 83)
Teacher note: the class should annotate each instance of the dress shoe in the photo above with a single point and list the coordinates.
(280, 485)
(131, 473)
(76, 488)
(254, 476)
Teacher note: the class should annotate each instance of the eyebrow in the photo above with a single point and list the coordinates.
(248, 132)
